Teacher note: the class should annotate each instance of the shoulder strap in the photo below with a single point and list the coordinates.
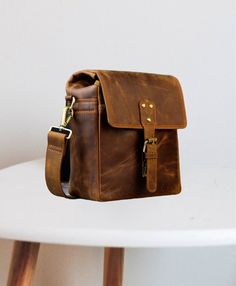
(56, 150)
(58, 138)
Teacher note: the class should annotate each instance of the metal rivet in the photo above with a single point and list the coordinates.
(149, 119)
(143, 105)
(151, 105)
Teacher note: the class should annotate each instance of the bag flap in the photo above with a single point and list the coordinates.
(123, 91)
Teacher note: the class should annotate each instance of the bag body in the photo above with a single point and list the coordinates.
(124, 137)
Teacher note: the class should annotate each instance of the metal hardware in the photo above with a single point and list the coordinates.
(149, 141)
(62, 130)
(68, 113)
(143, 105)
(144, 166)
(151, 105)
(149, 119)
(144, 161)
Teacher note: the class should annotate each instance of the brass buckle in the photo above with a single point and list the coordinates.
(62, 130)
(144, 161)
(67, 114)
(149, 141)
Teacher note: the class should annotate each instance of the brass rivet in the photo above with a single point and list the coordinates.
(149, 119)
(151, 105)
(143, 105)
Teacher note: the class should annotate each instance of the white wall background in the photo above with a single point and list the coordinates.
(43, 42)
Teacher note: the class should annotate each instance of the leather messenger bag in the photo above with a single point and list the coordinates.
(118, 137)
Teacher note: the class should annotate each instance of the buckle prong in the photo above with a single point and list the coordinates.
(144, 161)
(149, 141)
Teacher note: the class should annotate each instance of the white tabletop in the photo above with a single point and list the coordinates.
(201, 215)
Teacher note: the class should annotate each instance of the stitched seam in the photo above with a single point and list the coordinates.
(85, 111)
(54, 149)
(86, 100)
(114, 124)
(178, 161)
(98, 196)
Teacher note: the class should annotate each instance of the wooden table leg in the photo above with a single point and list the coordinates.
(24, 258)
(113, 266)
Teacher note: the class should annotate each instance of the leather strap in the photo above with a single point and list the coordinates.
(56, 150)
(148, 121)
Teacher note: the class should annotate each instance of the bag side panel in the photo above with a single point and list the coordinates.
(84, 145)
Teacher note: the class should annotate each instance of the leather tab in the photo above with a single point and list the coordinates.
(55, 153)
(147, 113)
(148, 120)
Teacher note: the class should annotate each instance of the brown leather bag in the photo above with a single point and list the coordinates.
(118, 137)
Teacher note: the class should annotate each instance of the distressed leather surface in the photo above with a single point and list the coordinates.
(121, 163)
(84, 145)
(148, 112)
(108, 136)
(54, 161)
(122, 92)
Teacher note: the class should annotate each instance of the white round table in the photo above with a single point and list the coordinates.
(202, 215)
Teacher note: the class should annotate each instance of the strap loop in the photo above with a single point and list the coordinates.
(148, 120)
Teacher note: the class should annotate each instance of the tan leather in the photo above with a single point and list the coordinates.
(148, 120)
(122, 92)
(54, 158)
(108, 133)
